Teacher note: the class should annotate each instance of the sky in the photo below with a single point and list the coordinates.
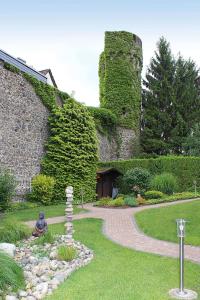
(67, 36)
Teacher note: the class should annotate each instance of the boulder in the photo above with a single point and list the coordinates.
(8, 248)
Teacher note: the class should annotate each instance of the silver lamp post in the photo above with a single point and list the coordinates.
(181, 293)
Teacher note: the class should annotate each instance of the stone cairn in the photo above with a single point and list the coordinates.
(69, 215)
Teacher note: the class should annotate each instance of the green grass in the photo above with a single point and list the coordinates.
(32, 213)
(160, 223)
(118, 273)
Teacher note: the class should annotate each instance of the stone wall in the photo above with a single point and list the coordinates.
(23, 128)
(123, 146)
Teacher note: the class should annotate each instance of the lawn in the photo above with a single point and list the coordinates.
(160, 223)
(32, 213)
(120, 273)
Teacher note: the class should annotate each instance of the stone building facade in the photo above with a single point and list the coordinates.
(23, 128)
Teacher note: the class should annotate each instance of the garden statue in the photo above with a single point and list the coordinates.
(40, 226)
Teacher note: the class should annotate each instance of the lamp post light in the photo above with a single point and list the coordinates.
(181, 293)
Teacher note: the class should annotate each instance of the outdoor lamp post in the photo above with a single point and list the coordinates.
(181, 293)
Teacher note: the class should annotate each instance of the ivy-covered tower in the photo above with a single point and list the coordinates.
(120, 77)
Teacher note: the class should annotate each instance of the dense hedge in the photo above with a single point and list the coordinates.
(71, 156)
(120, 77)
(187, 169)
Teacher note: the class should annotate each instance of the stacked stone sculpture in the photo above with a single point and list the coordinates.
(69, 215)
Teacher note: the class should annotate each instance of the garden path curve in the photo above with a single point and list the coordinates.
(120, 227)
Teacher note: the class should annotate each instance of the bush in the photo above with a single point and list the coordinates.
(165, 183)
(7, 189)
(66, 253)
(174, 197)
(137, 177)
(15, 206)
(117, 202)
(42, 189)
(103, 201)
(130, 201)
(141, 200)
(12, 231)
(46, 238)
(153, 195)
(186, 169)
(11, 274)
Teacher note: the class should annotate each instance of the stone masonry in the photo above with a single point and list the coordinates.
(23, 128)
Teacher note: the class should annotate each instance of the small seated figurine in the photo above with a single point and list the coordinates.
(40, 226)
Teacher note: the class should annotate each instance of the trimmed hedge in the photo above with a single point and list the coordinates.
(186, 169)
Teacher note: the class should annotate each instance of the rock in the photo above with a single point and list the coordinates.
(53, 255)
(8, 248)
(11, 297)
(22, 293)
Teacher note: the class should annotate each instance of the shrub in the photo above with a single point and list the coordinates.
(11, 274)
(7, 189)
(117, 202)
(141, 200)
(174, 197)
(186, 169)
(46, 238)
(153, 195)
(103, 201)
(165, 183)
(42, 189)
(137, 177)
(12, 231)
(15, 206)
(66, 253)
(130, 201)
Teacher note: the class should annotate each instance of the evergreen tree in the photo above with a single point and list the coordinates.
(158, 97)
(186, 105)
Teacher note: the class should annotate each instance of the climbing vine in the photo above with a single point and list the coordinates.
(120, 77)
(71, 155)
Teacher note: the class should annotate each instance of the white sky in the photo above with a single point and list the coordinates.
(68, 36)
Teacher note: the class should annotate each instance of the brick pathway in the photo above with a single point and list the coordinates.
(120, 227)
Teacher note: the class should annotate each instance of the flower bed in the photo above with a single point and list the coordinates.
(42, 270)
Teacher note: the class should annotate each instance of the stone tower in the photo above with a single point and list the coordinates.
(120, 84)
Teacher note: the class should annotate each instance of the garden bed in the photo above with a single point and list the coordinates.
(43, 271)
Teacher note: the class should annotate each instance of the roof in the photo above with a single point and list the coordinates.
(48, 71)
(22, 66)
(107, 170)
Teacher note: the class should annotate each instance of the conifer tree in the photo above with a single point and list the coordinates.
(158, 97)
(186, 105)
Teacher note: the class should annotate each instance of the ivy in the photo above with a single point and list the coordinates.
(105, 120)
(120, 77)
(11, 68)
(71, 155)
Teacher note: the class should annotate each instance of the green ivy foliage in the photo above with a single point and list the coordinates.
(120, 77)
(71, 156)
(105, 120)
(186, 169)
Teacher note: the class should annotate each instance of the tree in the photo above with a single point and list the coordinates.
(158, 96)
(186, 105)
(191, 145)
(71, 156)
(171, 102)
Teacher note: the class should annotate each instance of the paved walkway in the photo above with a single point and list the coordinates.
(120, 227)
